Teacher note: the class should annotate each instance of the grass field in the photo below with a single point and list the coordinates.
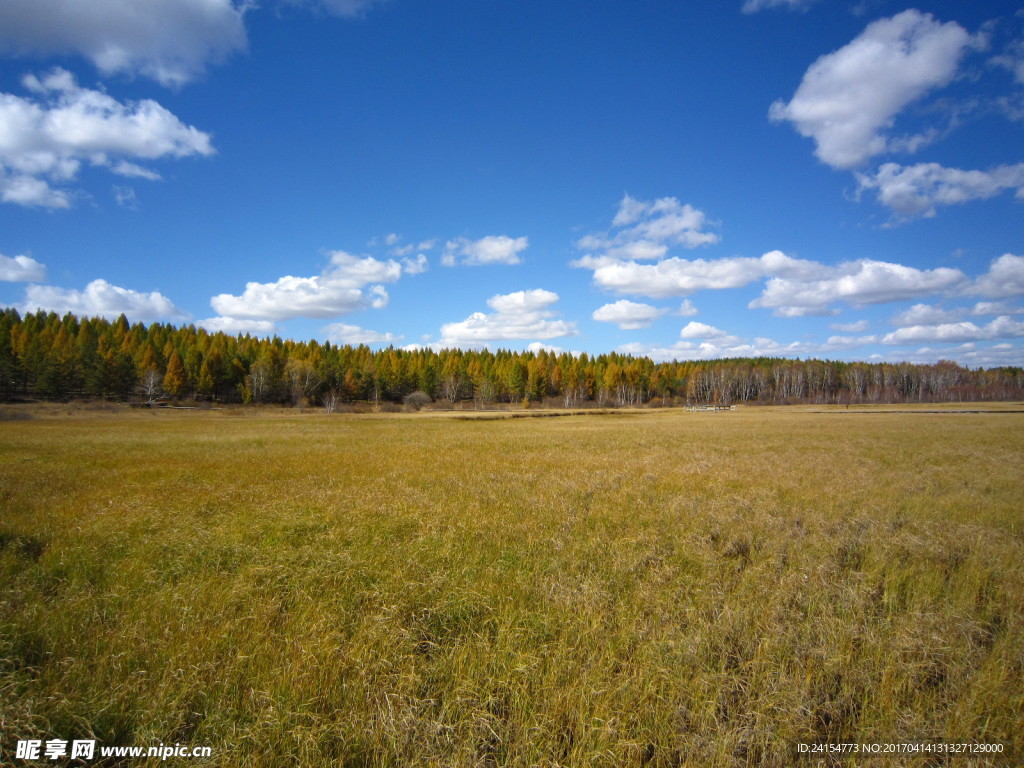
(647, 588)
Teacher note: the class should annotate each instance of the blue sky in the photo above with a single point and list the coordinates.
(802, 178)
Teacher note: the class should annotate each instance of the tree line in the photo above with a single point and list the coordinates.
(46, 356)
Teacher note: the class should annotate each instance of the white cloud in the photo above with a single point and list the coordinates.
(848, 100)
(133, 171)
(987, 357)
(540, 346)
(628, 315)
(404, 251)
(125, 197)
(493, 249)
(667, 221)
(1004, 279)
(795, 287)
(415, 266)
(1012, 60)
(1003, 327)
(365, 269)
(103, 299)
(849, 342)
(996, 308)
(293, 297)
(928, 314)
(169, 41)
(687, 309)
(234, 326)
(916, 190)
(522, 302)
(340, 333)
(519, 315)
(855, 327)
(695, 330)
(645, 230)
(44, 140)
(857, 283)
(21, 269)
(709, 343)
(680, 277)
(753, 6)
(29, 191)
(392, 241)
(728, 346)
(968, 353)
(349, 283)
(630, 211)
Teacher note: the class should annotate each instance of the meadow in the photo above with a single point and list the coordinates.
(643, 588)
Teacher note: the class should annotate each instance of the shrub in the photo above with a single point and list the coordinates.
(417, 400)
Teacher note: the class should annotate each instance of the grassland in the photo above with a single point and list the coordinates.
(646, 588)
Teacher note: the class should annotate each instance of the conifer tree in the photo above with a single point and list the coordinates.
(175, 380)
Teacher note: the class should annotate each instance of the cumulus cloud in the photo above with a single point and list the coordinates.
(493, 249)
(628, 315)
(349, 283)
(396, 247)
(45, 139)
(1003, 327)
(848, 100)
(850, 342)
(930, 314)
(794, 287)
(857, 283)
(969, 354)
(687, 309)
(540, 346)
(709, 343)
(169, 41)
(1004, 279)
(680, 277)
(855, 327)
(417, 265)
(916, 190)
(21, 269)
(103, 299)
(644, 230)
(340, 333)
(234, 326)
(726, 347)
(520, 315)
(996, 308)
(695, 330)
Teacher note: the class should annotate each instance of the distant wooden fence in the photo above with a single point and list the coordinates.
(711, 407)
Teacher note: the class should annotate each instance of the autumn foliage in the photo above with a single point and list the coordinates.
(43, 355)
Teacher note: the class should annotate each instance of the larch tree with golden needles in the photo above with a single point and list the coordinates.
(175, 380)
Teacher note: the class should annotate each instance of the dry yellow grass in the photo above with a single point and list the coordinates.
(643, 588)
